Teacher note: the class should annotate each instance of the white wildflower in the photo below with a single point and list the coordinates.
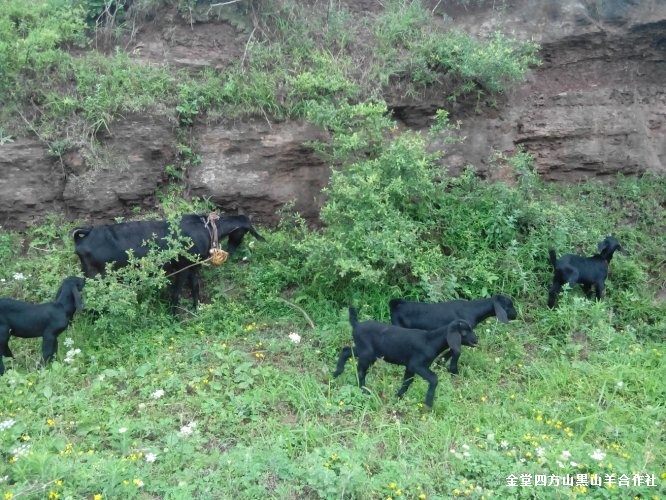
(565, 454)
(295, 337)
(20, 451)
(157, 394)
(598, 455)
(560, 464)
(19, 276)
(3, 280)
(69, 342)
(573, 464)
(188, 429)
(138, 483)
(101, 377)
(151, 457)
(465, 447)
(504, 444)
(3, 479)
(122, 430)
(540, 451)
(6, 424)
(620, 384)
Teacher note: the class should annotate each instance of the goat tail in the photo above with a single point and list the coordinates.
(353, 316)
(553, 257)
(81, 232)
(394, 304)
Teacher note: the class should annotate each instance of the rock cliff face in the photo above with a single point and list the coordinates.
(596, 107)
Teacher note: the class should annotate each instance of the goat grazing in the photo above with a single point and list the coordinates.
(98, 245)
(430, 316)
(39, 320)
(413, 349)
(586, 271)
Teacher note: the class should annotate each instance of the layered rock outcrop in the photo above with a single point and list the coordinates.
(596, 107)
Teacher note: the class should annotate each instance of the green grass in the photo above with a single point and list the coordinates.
(540, 395)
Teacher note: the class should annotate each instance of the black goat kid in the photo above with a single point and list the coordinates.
(49, 320)
(586, 271)
(413, 349)
(98, 245)
(430, 316)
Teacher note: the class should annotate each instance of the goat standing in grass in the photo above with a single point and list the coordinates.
(430, 316)
(413, 349)
(49, 320)
(586, 271)
(425, 316)
(97, 246)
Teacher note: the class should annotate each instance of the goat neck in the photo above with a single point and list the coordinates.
(480, 309)
(606, 255)
(438, 338)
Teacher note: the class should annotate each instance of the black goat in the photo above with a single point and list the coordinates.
(430, 316)
(587, 271)
(413, 349)
(98, 245)
(24, 320)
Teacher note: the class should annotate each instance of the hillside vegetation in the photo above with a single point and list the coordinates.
(236, 399)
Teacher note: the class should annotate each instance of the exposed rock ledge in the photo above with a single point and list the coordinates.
(596, 107)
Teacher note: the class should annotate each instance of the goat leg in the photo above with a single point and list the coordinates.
(587, 289)
(4, 344)
(601, 289)
(431, 378)
(553, 292)
(4, 348)
(407, 380)
(453, 367)
(362, 369)
(49, 347)
(346, 353)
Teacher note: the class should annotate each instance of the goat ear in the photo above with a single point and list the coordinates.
(454, 339)
(500, 312)
(77, 298)
(603, 245)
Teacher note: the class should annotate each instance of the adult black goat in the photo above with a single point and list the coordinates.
(49, 320)
(586, 271)
(98, 245)
(430, 316)
(413, 349)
